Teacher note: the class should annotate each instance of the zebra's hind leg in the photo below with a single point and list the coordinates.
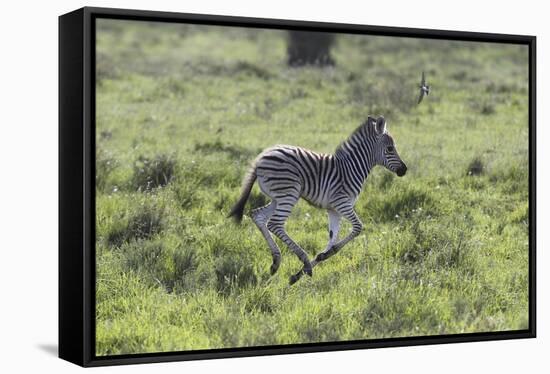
(280, 232)
(277, 226)
(261, 216)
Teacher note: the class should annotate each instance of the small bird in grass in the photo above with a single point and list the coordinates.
(424, 88)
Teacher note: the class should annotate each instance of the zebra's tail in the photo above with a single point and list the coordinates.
(238, 209)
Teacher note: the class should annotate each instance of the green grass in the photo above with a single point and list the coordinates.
(183, 110)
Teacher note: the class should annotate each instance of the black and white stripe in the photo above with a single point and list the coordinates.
(330, 181)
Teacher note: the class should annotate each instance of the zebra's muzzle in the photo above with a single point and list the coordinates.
(401, 171)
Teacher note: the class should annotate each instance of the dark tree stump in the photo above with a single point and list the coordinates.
(309, 48)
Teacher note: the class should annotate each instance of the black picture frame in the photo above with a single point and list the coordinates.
(77, 191)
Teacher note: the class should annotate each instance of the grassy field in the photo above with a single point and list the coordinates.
(183, 110)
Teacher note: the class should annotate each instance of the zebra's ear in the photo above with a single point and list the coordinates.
(370, 123)
(380, 125)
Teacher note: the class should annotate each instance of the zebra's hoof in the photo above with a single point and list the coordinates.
(293, 279)
(308, 271)
(273, 269)
(320, 257)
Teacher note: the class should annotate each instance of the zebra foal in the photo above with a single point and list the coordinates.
(329, 181)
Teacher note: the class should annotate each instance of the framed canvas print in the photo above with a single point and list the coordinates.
(236, 186)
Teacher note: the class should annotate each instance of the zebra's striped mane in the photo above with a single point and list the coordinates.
(361, 132)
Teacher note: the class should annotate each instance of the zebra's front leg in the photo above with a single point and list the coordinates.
(356, 228)
(333, 229)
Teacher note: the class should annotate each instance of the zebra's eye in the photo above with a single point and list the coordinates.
(390, 149)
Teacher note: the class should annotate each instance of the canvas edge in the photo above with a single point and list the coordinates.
(71, 286)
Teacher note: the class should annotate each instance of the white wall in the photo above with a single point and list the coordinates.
(28, 183)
